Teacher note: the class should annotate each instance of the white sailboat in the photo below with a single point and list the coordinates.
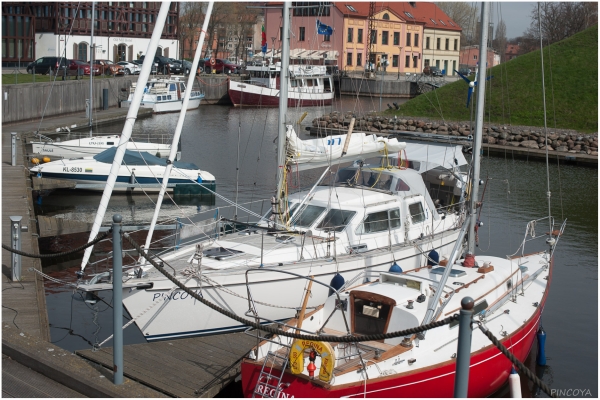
(507, 296)
(366, 219)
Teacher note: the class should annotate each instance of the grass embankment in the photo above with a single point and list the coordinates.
(514, 94)
(10, 79)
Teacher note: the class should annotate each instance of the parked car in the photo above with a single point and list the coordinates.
(108, 67)
(175, 66)
(141, 61)
(47, 64)
(465, 71)
(164, 65)
(222, 66)
(187, 66)
(79, 68)
(130, 68)
(432, 70)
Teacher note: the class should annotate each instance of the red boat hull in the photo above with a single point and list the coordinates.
(488, 372)
(260, 100)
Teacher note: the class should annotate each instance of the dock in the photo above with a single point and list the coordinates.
(35, 367)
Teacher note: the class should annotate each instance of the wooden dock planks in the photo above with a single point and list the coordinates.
(194, 367)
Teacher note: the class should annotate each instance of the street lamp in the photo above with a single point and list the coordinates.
(399, 57)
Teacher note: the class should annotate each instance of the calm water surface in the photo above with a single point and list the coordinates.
(515, 194)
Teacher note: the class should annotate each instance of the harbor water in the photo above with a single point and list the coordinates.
(515, 194)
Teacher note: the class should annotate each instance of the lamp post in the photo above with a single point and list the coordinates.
(399, 57)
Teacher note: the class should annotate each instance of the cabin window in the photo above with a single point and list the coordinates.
(401, 186)
(294, 83)
(182, 85)
(416, 212)
(336, 220)
(308, 216)
(309, 82)
(380, 221)
(169, 97)
(172, 86)
(110, 143)
(370, 317)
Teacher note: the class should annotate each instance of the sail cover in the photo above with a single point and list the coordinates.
(315, 153)
(139, 158)
(432, 155)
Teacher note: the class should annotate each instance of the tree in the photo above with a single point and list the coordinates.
(465, 16)
(500, 40)
(561, 19)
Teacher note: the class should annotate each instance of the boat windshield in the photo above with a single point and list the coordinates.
(336, 220)
(376, 179)
(308, 216)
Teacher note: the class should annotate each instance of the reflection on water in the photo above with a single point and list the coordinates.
(515, 194)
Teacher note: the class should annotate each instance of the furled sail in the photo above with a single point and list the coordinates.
(315, 153)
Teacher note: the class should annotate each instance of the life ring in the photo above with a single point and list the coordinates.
(322, 348)
(213, 62)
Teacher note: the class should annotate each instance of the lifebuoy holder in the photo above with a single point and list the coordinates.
(324, 350)
(213, 62)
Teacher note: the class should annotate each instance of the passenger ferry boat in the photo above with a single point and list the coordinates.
(308, 85)
(165, 95)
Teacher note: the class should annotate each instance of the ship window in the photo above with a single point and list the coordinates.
(172, 86)
(294, 83)
(380, 221)
(110, 143)
(169, 97)
(308, 216)
(401, 186)
(222, 253)
(416, 212)
(370, 317)
(336, 220)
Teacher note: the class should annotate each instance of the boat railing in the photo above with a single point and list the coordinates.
(142, 138)
(552, 235)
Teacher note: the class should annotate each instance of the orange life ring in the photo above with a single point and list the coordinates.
(213, 62)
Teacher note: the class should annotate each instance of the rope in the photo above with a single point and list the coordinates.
(66, 253)
(291, 334)
(516, 362)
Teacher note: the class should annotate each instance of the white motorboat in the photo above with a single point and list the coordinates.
(89, 146)
(308, 85)
(139, 171)
(165, 95)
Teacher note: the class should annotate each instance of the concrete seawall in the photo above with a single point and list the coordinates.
(29, 101)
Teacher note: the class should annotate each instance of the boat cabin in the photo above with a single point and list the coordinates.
(303, 78)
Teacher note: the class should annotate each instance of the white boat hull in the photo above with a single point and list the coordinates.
(165, 106)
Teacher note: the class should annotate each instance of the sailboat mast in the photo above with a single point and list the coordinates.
(92, 51)
(283, 99)
(478, 124)
(128, 127)
(179, 127)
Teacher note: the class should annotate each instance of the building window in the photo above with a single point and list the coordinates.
(409, 15)
(426, 63)
(447, 44)
(327, 38)
(407, 62)
(349, 59)
(373, 36)
(438, 44)
(432, 20)
(415, 59)
(416, 40)
(386, 16)
(455, 44)
(384, 37)
(350, 35)
(280, 33)
(82, 52)
(359, 38)
(408, 38)
(302, 34)
(351, 8)
(395, 61)
(474, 56)
(427, 42)
(396, 38)
(359, 59)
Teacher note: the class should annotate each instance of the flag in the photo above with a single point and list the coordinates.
(263, 44)
(323, 29)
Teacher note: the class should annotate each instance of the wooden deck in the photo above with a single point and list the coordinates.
(195, 367)
(24, 303)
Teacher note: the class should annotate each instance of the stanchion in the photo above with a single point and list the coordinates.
(117, 301)
(13, 148)
(15, 233)
(463, 354)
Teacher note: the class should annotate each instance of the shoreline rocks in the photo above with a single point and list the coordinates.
(561, 140)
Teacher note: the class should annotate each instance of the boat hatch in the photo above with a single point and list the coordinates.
(453, 273)
(221, 253)
(370, 312)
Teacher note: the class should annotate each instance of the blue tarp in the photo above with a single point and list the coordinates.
(139, 158)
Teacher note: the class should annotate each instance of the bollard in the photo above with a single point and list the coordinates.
(15, 235)
(117, 301)
(13, 148)
(105, 99)
(463, 353)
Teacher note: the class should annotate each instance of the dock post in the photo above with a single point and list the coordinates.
(13, 148)
(15, 235)
(117, 301)
(463, 353)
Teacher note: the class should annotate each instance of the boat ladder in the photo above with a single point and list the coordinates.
(267, 384)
